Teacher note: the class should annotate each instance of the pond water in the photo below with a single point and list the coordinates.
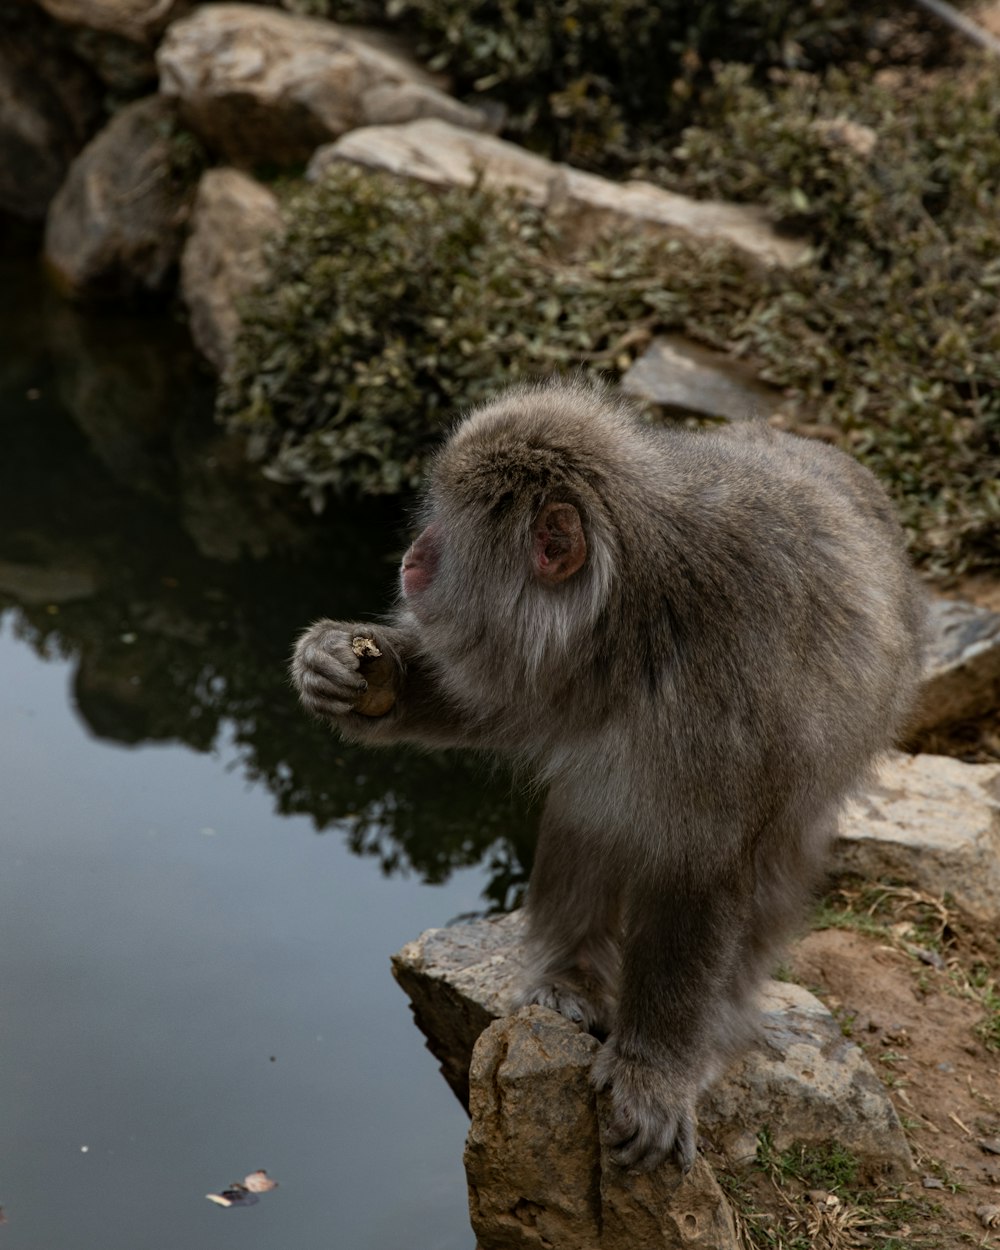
(201, 888)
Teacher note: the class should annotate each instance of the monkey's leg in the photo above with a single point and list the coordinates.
(573, 919)
(682, 938)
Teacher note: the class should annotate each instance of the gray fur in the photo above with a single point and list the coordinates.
(741, 643)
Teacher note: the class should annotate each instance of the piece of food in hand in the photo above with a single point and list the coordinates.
(378, 671)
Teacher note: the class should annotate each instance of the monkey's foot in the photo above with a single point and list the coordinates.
(652, 1114)
(572, 998)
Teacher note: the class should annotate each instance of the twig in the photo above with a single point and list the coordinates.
(964, 25)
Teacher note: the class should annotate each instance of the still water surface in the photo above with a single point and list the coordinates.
(200, 888)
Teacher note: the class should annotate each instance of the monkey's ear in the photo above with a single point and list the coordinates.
(560, 548)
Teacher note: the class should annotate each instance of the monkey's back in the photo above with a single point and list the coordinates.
(780, 598)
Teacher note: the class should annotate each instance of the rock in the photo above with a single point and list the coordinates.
(687, 379)
(538, 1176)
(933, 823)
(962, 672)
(805, 1081)
(259, 84)
(458, 981)
(49, 107)
(442, 154)
(233, 217)
(116, 224)
(808, 1084)
(140, 21)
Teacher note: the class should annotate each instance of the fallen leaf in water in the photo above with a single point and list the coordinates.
(234, 1196)
(259, 1182)
(244, 1193)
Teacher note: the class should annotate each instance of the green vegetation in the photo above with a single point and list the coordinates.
(825, 1166)
(598, 82)
(390, 306)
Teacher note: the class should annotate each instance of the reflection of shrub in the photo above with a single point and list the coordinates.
(390, 306)
(592, 79)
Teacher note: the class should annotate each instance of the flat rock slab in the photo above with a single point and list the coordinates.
(538, 1175)
(962, 674)
(686, 379)
(261, 85)
(933, 823)
(445, 155)
(805, 1081)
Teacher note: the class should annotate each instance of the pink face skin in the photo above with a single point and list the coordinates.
(420, 563)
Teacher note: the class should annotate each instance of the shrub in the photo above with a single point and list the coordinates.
(390, 306)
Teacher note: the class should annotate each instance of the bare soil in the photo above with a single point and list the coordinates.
(920, 1034)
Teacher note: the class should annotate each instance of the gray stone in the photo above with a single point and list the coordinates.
(261, 85)
(687, 379)
(538, 1174)
(804, 1081)
(933, 823)
(117, 222)
(445, 155)
(458, 981)
(232, 219)
(962, 674)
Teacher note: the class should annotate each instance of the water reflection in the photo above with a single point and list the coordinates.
(134, 543)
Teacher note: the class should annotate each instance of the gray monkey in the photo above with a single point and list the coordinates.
(700, 641)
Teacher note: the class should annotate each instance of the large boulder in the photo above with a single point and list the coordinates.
(962, 674)
(232, 219)
(804, 1080)
(538, 1174)
(116, 224)
(261, 85)
(441, 154)
(50, 105)
(933, 823)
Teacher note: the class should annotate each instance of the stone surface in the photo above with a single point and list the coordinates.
(808, 1084)
(962, 673)
(441, 154)
(933, 823)
(687, 379)
(49, 107)
(459, 980)
(804, 1080)
(116, 223)
(259, 84)
(538, 1176)
(232, 219)
(138, 20)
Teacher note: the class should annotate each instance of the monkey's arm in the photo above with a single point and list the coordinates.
(327, 672)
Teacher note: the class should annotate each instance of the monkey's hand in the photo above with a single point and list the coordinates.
(333, 671)
(652, 1111)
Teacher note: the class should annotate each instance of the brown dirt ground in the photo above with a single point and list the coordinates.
(920, 1036)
